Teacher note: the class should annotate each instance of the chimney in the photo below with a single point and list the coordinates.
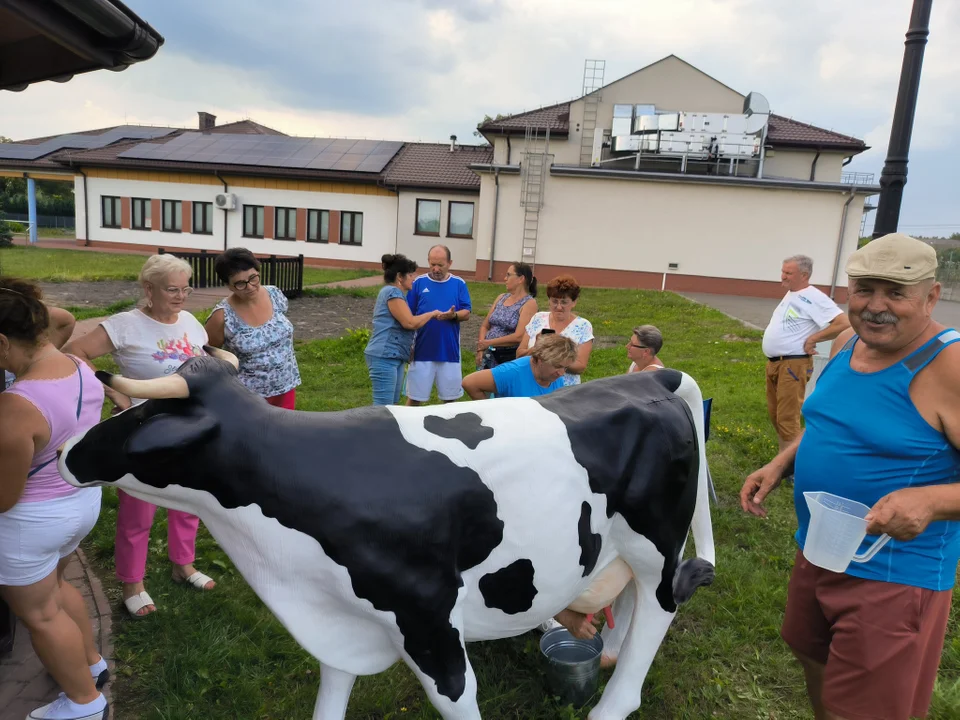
(453, 142)
(207, 121)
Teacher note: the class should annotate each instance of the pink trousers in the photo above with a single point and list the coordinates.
(134, 520)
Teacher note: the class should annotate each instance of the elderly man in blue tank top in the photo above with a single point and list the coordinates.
(883, 429)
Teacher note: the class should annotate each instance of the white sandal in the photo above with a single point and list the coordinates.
(197, 580)
(136, 603)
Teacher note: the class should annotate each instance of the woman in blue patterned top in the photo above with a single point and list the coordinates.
(252, 324)
(391, 339)
(505, 325)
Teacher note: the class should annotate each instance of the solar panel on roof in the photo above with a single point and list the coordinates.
(271, 151)
(18, 151)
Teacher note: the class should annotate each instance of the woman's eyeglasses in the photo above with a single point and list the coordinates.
(178, 292)
(242, 284)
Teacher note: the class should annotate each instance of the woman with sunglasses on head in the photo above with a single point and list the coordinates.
(503, 327)
(149, 342)
(252, 324)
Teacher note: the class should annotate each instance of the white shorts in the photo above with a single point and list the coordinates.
(34, 536)
(421, 376)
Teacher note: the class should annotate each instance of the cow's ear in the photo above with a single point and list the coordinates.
(172, 433)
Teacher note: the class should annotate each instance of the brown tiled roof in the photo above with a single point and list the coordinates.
(784, 132)
(787, 132)
(432, 165)
(556, 117)
(245, 127)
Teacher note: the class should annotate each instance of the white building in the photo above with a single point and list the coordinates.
(663, 179)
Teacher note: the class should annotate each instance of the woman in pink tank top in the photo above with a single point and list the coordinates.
(42, 518)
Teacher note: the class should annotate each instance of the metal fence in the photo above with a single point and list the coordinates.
(856, 178)
(949, 277)
(285, 273)
(52, 221)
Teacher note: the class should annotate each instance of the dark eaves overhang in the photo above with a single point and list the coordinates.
(57, 39)
(432, 187)
(79, 162)
(491, 167)
(846, 148)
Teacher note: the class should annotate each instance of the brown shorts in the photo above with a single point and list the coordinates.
(786, 389)
(880, 642)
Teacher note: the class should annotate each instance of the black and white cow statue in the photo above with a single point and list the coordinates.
(401, 533)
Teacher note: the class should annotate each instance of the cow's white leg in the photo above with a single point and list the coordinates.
(335, 687)
(646, 630)
(623, 618)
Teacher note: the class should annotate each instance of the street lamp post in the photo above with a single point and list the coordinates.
(894, 175)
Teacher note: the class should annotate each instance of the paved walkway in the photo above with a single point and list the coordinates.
(756, 312)
(24, 684)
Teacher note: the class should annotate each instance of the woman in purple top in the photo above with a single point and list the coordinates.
(42, 518)
(503, 327)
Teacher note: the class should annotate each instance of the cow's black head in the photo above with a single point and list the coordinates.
(164, 440)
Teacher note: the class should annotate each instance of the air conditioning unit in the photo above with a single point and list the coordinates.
(225, 201)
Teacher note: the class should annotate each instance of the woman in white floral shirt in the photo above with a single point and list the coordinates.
(562, 294)
(252, 324)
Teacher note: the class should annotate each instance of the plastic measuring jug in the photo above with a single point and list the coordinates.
(837, 527)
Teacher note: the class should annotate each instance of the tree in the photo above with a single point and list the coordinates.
(6, 236)
(487, 119)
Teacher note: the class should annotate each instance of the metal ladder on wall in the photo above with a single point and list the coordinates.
(592, 82)
(533, 178)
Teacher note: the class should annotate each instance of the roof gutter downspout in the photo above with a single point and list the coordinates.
(86, 210)
(220, 178)
(843, 228)
(813, 166)
(493, 235)
(763, 149)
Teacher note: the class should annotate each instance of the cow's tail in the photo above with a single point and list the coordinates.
(697, 571)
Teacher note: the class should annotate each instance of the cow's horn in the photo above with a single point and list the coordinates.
(163, 388)
(222, 355)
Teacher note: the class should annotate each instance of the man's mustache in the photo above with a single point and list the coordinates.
(886, 317)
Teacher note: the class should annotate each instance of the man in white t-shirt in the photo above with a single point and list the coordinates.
(805, 317)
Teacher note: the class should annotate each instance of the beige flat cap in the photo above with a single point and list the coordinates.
(896, 257)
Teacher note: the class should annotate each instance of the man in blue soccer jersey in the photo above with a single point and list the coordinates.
(436, 351)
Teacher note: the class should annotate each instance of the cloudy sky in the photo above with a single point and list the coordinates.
(426, 69)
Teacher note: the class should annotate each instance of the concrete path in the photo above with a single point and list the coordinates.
(24, 683)
(756, 312)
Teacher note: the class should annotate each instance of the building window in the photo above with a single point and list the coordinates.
(141, 214)
(460, 220)
(172, 216)
(253, 221)
(286, 224)
(318, 226)
(351, 228)
(428, 217)
(110, 211)
(203, 218)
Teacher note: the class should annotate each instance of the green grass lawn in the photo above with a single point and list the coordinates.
(87, 312)
(222, 655)
(82, 265)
